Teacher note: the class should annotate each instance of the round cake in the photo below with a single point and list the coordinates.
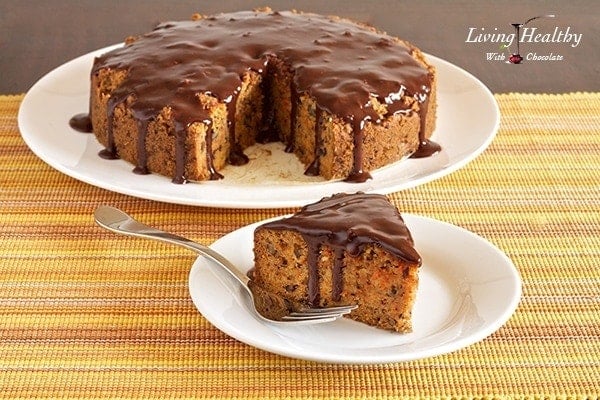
(186, 99)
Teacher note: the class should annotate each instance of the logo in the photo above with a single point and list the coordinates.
(525, 36)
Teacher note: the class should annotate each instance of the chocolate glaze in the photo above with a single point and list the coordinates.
(341, 65)
(347, 223)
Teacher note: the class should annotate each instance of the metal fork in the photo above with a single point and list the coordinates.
(280, 311)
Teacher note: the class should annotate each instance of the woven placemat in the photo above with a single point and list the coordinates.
(88, 314)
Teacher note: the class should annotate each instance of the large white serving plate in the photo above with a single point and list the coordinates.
(467, 121)
(468, 289)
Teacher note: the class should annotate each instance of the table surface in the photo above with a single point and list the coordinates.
(88, 314)
(37, 36)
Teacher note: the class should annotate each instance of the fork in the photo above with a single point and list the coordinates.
(280, 311)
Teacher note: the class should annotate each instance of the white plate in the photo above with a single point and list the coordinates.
(468, 119)
(468, 289)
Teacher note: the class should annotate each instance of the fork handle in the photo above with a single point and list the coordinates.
(118, 221)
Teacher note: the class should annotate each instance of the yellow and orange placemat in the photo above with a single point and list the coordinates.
(88, 314)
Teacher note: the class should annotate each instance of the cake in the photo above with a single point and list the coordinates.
(187, 98)
(344, 249)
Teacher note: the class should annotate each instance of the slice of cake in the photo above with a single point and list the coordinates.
(344, 249)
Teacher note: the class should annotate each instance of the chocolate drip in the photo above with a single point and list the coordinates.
(110, 151)
(357, 174)
(426, 147)
(142, 156)
(81, 123)
(180, 154)
(108, 154)
(347, 223)
(339, 64)
(314, 167)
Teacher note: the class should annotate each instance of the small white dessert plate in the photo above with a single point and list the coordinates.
(468, 289)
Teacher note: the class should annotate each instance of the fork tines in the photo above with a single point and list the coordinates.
(331, 313)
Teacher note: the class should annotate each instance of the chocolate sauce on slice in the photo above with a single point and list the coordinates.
(347, 223)
(339, 64)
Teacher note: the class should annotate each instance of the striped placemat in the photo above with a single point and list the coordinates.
(88, 314)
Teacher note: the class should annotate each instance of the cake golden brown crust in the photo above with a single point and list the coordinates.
(186, 99)
(344, 249)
